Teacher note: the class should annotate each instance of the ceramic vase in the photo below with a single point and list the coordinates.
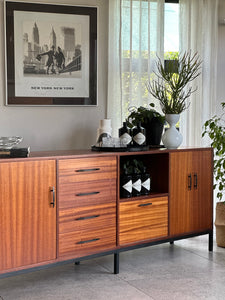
(104, 130)
(172, 138)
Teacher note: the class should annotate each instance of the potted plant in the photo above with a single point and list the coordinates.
(172, 91)
(215, 129)
(150, 119)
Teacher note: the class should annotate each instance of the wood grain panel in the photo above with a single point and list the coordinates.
(86, 169)
(28, 221)
(87, 218)
(139, 221)
(86, 193)
(190, 209)
(83, 243)
(180, 195)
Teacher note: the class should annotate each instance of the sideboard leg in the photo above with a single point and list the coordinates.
(77, 263)
(116, 263)
(171, 242)
(211, 241)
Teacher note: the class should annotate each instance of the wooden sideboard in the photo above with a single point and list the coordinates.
(65, 205)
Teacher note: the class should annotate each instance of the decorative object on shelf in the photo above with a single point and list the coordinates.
(126, 182)
(125, 134)
(151, 120)
(172, 138)
(44, 73)
(15, 152)
(172, 89)
(145, 182)
(215, 129)
(139, 135)
(104, 130)
(134, 180)
(9, 142)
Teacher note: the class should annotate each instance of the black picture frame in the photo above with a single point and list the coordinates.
(35, 94)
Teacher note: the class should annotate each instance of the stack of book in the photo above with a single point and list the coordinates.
(14, 152)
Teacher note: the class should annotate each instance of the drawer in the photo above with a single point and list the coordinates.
(86, 169)
(74, 195)
(143, 220)
(81, 243)
(87, 218)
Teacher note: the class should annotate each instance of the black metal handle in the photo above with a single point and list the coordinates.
(145, 204)
(53, 197)
(189, 182)
(195, 181)
(88, 241)
(88, 170)
(86, 218)
(87, 194)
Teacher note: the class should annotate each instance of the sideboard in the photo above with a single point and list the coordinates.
(65, 206)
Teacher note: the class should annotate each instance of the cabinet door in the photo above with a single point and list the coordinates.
(27, 217)
(190, 191)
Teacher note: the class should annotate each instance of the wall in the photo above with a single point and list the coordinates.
(221, 56)
(51, 128)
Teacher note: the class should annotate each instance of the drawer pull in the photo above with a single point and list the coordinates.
(88, 170)
(195, 181)
(88, 241)
(87, 194)
(145, 204)
(86, 218)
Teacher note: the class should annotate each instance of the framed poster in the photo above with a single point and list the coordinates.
(51, 54)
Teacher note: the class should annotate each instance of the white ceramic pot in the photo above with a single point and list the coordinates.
(172, 138)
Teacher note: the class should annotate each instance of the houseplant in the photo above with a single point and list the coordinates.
(173, 90)
(150, 119)
(215, 129)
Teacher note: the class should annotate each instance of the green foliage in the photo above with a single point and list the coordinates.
(171, 89)
(143, 115)
(215, 129)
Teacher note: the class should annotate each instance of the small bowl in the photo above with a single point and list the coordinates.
(9, 142)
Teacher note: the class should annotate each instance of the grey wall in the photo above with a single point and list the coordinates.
(51, 128)
(221, 56)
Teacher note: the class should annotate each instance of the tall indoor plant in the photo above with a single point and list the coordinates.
(173, 90)
(215, 129)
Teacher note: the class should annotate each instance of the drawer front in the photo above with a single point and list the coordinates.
(87, 218)
(74, 195)
(143, 220)
(86, 169)
(83, 243)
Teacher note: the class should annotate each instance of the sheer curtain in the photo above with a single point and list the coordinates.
(136, 36)
(198, 33)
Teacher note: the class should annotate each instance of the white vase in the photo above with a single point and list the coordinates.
(104, 130)
(172, 138)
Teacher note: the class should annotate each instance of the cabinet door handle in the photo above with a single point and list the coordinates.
(195, 181)
(88, 241)
(86, 218)
(189, 182)
(145, 204)
(88, 170)
(53, 197)
(87, 194)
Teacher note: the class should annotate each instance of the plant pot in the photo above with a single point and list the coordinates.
(220, 224)
(154, 130)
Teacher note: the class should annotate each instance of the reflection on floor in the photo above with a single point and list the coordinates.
(185, 270)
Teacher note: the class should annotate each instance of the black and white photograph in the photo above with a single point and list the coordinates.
(52, 56)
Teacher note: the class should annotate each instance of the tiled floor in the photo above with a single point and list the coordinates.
(185, 270)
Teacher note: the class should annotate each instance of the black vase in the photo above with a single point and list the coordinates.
(154, 130)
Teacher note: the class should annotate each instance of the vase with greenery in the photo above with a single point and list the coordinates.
(150, 119)
(215, 129)
(173, 90)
